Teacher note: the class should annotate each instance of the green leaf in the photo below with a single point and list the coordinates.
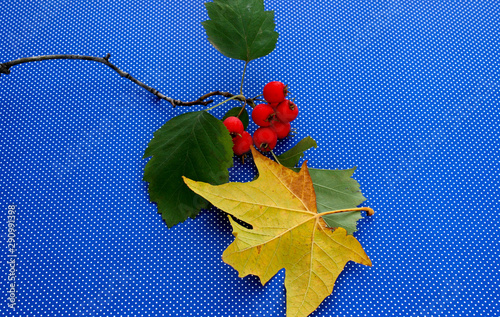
(240, 29)
(335, 190)
(196, 145)
(245, 119)
(291, 157)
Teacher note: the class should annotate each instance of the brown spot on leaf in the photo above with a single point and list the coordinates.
(259, 247)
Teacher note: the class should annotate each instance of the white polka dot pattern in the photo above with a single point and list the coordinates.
(408, 91)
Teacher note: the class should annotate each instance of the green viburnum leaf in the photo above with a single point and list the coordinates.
(240, 29)
(195, 145)
(336, 189)
(291, 157)
(245, 119)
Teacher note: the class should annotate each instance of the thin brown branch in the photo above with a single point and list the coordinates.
(5, 69)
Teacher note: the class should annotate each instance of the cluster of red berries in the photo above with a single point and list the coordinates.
(273, 119)
(242, 140)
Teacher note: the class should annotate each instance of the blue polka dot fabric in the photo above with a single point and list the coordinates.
(407, 91)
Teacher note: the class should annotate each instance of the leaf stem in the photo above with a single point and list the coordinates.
(275, 157)
(368, 210)
(243, 77)
(220, 103)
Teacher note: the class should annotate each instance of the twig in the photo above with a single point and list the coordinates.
(5, 69)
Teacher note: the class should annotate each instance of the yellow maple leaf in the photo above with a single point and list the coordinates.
(287, 232)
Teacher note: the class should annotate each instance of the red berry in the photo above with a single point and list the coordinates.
(262, 115)
(265, 139)
(281, 128)
(242, 143)
(234, 126)
(275, 92)
(287, 111)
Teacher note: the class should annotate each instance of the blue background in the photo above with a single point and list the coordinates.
(407, 91)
